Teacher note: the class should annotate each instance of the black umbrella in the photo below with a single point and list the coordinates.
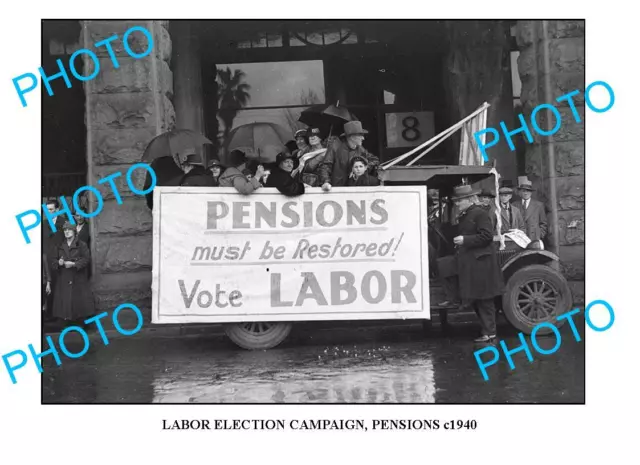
(167, 174)
(169, 143)
(326, 117)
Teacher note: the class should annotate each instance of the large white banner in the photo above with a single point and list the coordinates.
(219, 256)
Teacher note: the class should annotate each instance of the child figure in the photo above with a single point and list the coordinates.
(359, 175)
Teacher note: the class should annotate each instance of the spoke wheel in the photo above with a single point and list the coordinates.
(536, 294)
(257, 335)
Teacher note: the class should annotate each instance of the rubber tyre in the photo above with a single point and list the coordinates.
(529, 275)
(269, 337)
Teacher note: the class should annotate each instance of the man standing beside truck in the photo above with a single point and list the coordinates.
(479, 275)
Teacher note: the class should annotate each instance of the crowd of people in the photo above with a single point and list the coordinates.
(308, 160)
(472, 278)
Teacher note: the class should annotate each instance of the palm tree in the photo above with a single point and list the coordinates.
(232, 95)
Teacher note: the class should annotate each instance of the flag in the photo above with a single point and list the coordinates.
(470, 154)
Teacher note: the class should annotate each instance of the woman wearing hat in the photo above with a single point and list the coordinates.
(479, 276)
(216, 168)
(283, 178)
(73, 299)
(301, 140)
(311, 158)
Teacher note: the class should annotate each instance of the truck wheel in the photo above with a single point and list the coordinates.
(536, 294)
(258, 335)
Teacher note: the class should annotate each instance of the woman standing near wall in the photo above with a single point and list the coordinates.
(73, 299)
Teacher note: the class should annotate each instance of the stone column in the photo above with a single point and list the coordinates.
(187, 78)
(477, 71)
(566, 53)
(188, 97)
(125, 108)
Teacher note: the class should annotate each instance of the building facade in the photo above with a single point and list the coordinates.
(438, 72)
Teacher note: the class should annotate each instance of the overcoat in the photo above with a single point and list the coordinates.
(535, 219)
(364, 180)
(513, 221)
(283, 181)
(198, 177)
(479, 274)
(337, 161)
(73, 298)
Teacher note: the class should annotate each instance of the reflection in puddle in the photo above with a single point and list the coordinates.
(332, 375)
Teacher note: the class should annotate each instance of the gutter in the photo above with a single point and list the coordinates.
(550, 146)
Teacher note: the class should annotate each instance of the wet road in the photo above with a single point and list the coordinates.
(394, 364)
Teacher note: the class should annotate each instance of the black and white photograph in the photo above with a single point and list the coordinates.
(325, 233)
(271, 142)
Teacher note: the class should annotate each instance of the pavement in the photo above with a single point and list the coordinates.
(319, 363)
(216, 330)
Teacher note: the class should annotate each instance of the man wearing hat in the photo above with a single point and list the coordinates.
(335, 168)
(283, 179)
(488, 199)
(479, 276)
(533, 212)
(510, 214)
(195, 173)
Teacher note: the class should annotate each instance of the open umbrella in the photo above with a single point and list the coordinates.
(259, 140)
(169, 144)
(326, 117)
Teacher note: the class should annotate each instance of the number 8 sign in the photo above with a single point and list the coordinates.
(409, 129)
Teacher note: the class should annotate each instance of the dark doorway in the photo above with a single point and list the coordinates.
(64, 135)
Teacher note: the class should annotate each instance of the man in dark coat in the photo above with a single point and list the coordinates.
(479, 275)
(50, 242)
(510, 214)
(167, 172)
(488, 199)
(533, 212)
(281, 178)
(335, 168)
(196, 174)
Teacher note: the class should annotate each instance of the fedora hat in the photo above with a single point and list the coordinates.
(526, 185)
(506, 187)
(352, 128)
(464, 191)
(487, 193)
(193, 159)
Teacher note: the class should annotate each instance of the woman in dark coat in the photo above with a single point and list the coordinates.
(281, 178)
(73, 299)
(479, 275)
(359, 175)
